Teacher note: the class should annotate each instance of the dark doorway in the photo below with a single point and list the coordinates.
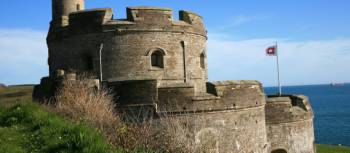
(279, 151)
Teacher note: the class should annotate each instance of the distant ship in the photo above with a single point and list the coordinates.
(337, 84)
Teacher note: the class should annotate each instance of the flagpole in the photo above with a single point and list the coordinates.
(101, 72)
(278, 72)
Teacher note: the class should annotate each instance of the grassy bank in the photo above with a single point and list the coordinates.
(332, 149)
(26, 126)
(15, 94)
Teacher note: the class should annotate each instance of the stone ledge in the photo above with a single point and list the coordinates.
(148, 8)
(236, 82)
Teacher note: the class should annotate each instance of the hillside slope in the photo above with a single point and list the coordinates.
(26, 126)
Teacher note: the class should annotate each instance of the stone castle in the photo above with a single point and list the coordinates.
(153, 61)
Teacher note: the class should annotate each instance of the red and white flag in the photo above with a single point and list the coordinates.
(271, 51)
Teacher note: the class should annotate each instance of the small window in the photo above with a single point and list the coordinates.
(157, 59)
(78, 7)
(202, 60)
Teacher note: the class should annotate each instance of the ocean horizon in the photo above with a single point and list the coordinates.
(331, 105)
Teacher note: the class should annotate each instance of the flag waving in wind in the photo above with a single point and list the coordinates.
(271, 51)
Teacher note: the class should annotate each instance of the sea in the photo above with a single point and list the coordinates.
(331, 106)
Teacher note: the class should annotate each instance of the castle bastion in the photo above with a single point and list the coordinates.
(158, 65)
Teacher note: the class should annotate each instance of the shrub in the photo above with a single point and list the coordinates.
(80, 102)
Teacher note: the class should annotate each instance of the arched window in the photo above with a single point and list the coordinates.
(279, 151)
(202, 60)
(157, 59)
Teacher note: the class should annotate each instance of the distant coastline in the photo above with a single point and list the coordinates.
(322, 84)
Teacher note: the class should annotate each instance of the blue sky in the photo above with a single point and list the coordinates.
(313, 35)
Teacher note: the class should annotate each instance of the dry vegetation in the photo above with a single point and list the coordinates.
(173, 137)
(79, 102)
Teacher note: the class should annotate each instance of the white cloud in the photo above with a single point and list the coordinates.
(23, 56)
(243, 19)
(302, 62)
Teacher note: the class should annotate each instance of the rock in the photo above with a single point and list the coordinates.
(2, 85)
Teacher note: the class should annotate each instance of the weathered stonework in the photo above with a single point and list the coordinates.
(289, 122)
(158, 65)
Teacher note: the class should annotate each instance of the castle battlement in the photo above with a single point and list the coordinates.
(289, 122)
(221, 96)
(286, 109)
(157, 67)
(138, 19)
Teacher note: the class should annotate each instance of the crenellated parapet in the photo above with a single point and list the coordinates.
(238, 94)
(286, 109)
(193, 19)
(221, 96)
(129, 45)
(138, 19)
(289, 124)
(89, 21)
(150, 15)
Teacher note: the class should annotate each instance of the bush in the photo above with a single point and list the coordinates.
(80, 102)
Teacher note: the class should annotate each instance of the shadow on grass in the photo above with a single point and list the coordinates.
(16, 94)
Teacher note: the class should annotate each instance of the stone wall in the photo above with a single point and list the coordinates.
(230, 119)
(241, 128)
(289, 122)
(128, 46)
(230, 131)
(61, 10)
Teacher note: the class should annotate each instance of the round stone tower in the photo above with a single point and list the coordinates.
(62, 8)
(289, 123)
(147, 45)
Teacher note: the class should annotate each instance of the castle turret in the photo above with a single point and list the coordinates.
(61, 10)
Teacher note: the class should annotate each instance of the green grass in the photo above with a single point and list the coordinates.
(26, 126)
(15, 94)
(332, 149)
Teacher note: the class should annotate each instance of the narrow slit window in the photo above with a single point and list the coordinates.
(202, 60)
(78, 7)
